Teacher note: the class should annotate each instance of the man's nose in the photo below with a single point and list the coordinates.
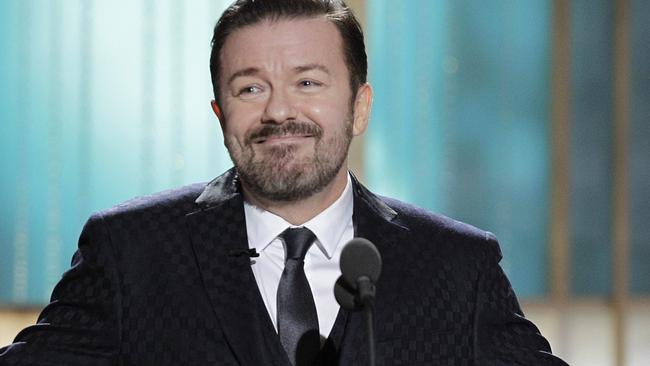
(279, 108)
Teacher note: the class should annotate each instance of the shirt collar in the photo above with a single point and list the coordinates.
(262, 227)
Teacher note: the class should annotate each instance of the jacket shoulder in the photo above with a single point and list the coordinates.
(178, 200)
(445, 233)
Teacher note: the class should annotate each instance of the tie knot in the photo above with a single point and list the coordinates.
(297, 242)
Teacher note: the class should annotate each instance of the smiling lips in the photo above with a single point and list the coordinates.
(281, 139)
(287, 132)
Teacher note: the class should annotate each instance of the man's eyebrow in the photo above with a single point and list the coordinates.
(309, 67)
(250, 71)
(244, 72)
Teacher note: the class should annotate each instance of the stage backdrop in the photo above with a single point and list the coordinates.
(101, 101)
(461, 125)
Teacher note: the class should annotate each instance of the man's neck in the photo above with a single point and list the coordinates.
(299, 212)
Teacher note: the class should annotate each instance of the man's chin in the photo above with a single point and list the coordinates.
(283, 182)
(281, 188)
(286, 165)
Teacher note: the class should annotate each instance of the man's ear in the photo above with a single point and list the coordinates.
(362, 106)
(218, 113)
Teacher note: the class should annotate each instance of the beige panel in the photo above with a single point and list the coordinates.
(637, 345)
(547, 320)
(581, 334)
(590, 335)
(12, 321)
(589, 330)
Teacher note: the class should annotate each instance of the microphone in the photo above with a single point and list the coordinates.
(355, 289)
(251, 253)
(360, 268)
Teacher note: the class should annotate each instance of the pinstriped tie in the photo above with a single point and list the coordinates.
(297, 318)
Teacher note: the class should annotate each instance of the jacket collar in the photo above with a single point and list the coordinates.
(227, 186)
(220, 189)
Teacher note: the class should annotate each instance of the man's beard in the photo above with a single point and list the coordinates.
(279, 175)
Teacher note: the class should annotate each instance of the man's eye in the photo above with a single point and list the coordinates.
(309, 83)
(253, 89)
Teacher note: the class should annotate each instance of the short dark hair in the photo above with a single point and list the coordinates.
(243, 13)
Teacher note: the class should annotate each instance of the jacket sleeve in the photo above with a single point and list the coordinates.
(80, 326)
(503, 335)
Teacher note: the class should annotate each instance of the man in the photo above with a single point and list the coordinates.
(212, 275)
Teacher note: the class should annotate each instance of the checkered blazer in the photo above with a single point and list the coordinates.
(154, 283)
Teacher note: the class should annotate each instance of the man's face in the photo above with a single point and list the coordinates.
(286, 108)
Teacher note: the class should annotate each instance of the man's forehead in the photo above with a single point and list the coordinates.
(307, 38)
(279, 25)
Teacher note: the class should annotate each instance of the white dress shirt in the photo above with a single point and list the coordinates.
(333, 229)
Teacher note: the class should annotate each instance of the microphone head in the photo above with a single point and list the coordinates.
(360, 258)
(345, 295)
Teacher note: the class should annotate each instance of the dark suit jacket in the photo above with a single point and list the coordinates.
(153, 283)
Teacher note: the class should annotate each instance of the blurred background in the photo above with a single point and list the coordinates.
(530, 119)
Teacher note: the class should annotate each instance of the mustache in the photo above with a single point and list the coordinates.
(289, 128)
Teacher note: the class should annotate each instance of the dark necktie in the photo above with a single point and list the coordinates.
(297, 318)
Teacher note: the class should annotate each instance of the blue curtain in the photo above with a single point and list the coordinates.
(100, 101)
(460, 119)
(461, 126)
(592, 25)
(592, 176)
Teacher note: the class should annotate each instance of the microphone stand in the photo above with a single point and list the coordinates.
(360, 266)
(367, 301)
(368, 312)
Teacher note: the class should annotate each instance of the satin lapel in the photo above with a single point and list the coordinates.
(218, 232)
(377, 222)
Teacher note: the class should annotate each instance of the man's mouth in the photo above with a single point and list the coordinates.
(289, 132)
(281, 139)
